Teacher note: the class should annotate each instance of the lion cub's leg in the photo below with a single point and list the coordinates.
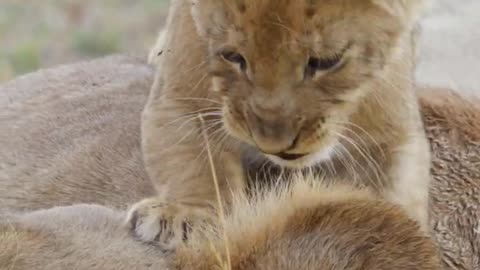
(173, 146)
(168, 218)
(176, 160)
(411, 175)
(164, 222)
(168, 222)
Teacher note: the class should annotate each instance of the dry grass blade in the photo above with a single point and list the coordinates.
(221, 210)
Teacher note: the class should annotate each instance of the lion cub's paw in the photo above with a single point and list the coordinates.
(164, 223)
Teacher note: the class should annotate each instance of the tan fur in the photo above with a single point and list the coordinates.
(88, 156)
(52, 106)
(359, 123)
(156, 51)
(453, 128)
(81, 237)
(318, 227)
(325, 228)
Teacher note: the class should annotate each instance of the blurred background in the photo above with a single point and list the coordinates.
(42, 33)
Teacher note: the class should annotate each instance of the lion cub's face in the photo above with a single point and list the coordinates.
(290, 72)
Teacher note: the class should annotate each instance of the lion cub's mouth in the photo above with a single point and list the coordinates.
(290, 157)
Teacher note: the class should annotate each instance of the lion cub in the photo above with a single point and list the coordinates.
(281, 85)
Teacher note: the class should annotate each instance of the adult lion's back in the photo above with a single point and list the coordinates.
(71, 135)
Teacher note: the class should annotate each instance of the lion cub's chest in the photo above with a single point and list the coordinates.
(265, 174)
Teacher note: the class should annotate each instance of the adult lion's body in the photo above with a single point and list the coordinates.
(69, 134)
(309, 227)
(42, 168)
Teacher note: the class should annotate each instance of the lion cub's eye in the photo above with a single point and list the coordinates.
(235, 58)
(321, 64)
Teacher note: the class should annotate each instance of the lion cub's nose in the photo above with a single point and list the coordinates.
(273, 133)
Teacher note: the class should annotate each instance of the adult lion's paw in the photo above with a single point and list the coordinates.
(164, 223)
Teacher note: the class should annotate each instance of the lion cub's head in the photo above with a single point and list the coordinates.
(292, 71)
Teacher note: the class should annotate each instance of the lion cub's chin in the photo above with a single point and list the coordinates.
(309, 160)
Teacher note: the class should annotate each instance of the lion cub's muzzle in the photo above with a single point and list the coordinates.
(275, 134)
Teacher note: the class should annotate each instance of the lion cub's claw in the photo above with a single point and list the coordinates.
(165, 224)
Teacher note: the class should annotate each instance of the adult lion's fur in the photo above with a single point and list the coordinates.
(309, 227)
(70, 135)
(74, 237)
(453, 129)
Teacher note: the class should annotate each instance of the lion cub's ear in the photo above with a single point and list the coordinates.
(409, 11)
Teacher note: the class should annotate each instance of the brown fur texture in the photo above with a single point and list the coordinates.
(309, 227)
(53, 155)
(453, 128)
(245, 65)
(325, 228)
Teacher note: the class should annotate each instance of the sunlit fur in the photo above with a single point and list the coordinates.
(357, 121)
(310, 226)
